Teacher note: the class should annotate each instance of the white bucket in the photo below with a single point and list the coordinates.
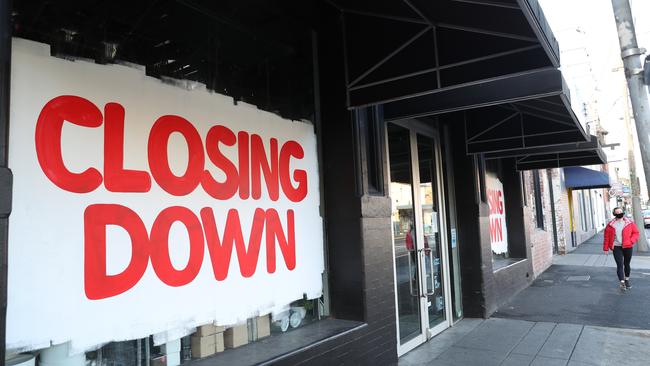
(59, 355)
(21, 359)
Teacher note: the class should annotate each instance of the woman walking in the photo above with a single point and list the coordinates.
(620, 236)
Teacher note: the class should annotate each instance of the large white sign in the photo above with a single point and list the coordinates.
(141, 207)
(496, 200)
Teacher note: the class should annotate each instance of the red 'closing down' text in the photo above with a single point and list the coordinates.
(244, 177)
(202, 233)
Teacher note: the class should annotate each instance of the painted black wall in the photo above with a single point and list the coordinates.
(468, 211)
(358, 226)
(483, 289)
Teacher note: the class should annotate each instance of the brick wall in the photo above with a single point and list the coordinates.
(562, 213)
(540, 239)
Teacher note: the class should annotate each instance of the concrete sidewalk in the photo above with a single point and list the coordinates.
(573, 314)
(590, 253)
(599, 260)
(508, 342)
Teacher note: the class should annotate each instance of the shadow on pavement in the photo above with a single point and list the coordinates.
(562, 294)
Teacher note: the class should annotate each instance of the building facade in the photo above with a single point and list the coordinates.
(308, 183)
(561, 218)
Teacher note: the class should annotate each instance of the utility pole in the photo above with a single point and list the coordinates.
(642, 244)
(631, 55)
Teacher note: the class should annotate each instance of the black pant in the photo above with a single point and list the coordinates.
(622, 256)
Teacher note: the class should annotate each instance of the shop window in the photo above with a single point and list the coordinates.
(539, 208)
(583, 211)
(592, 211)
(208, 340)
(370, 135)
(479, 163)
(497, 210)
(524, 193)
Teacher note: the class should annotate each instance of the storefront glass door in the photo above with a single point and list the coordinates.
(418, 237)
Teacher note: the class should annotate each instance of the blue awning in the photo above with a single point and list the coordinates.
(583, 178)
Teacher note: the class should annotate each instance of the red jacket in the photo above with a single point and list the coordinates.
(630, 234)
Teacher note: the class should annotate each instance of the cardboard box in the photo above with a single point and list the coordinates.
(206, 330)
(203, 346)
(159, 361)
(236, 336)
(263, 326)
(219, 345)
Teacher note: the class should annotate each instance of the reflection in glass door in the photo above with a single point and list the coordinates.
(428, 194)
(407, 275)
(418, 235)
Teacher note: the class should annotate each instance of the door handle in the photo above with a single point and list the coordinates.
(424, 252)
(411, 273)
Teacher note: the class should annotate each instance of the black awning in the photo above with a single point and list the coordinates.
(522, 125)
(510, 113)
(560, 160)
(588, 146)
(400, 49)
(556, 156)
(583, 178)
(540, 83)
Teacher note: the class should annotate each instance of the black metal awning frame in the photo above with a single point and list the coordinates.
(510, 90)
(561, 160)
(533, 84)
(556, 156)
(362, 91)
(530, 108)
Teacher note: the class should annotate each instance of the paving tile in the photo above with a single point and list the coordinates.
(464, 326)
(571, 259)
(517, 360)
(500, 335)
(591, 260)
(547, 361)
(426, 352)
(612, 346)
(561, 342)
(456, 356)
(578, 363)
(641, 262)
(591, 346)
(602, 260)
(535, 339)
(417, 357)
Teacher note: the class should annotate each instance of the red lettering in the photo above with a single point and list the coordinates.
(500, 200)
(221, 250)
(98, 284)
(260, 165)
(116, 178)
(244, 183)
(489, 199)
(287, 243)
(159, 161)
(226, 189)
(496, 230)
(48, 141)
(292, 149)
(160, 259)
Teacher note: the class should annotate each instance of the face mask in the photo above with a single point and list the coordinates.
(620, 215)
